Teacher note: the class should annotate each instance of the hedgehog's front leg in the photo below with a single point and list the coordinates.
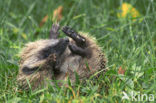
(77, 50)
(80, 47)
(80, 41)
(54, 31)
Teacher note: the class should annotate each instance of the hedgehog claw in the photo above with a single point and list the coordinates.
(54, 31)
(74, 35)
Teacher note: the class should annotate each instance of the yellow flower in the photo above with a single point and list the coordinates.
(24, 36)
(128, 11)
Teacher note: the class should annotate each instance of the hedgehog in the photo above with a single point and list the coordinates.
(59, 59)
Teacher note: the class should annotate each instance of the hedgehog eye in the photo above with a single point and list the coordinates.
(28, 71)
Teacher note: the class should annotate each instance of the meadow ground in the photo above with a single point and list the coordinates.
(128, 43)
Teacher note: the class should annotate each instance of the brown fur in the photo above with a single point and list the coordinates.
(70, 64)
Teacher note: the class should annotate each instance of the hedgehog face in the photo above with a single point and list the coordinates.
(37, 53)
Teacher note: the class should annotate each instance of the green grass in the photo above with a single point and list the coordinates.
(126, 43)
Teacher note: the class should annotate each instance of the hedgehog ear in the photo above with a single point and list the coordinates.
(28, 71)
(54, 31)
